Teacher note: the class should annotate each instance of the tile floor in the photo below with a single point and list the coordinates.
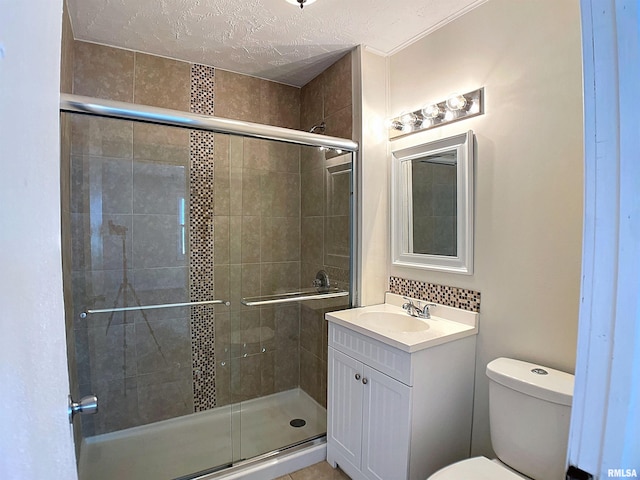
(319, 471)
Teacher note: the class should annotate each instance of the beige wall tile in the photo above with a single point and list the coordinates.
(221, 149)
(221, 190)
(339, 123)
(105, 137)
(280, 194)
(103, 72)
(251, 279)
(279, 105)
(250, 239)
(337, 86)
(66, 53)
(280, 239)
(311, 330)
(312, 242)
(285, 157)
(161, 143)
(221, 242)
(221, 284)
(237, 96)
(287, 369)
(256, 154)
(312, 192)
(162, 82)
(235, 239)
(313, 377)
(310, 158)
(280, 277)
(311, 103)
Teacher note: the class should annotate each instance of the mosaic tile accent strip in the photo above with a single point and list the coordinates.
(201, 208)
(202, 91)
(430, 292)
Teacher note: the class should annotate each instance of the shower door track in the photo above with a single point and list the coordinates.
(177, 118)
(232, 469)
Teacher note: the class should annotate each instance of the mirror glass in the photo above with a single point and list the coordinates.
(432, 211)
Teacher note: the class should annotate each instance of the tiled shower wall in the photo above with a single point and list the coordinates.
(257, 236)
(140, 363)
(325, 214)
(257, 217)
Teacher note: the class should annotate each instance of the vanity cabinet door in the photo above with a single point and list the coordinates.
(386, 426)
(344, 405)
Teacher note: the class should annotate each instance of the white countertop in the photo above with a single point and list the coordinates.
(445, 325)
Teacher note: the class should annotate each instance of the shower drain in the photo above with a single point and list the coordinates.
(297, 422)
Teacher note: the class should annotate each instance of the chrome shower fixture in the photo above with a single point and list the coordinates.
(318, 128)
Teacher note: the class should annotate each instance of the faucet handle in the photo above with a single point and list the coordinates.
(409, 303)
(425, 309)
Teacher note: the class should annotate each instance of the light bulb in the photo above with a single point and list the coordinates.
(431, 111)
(408, 119)
(456, 102)
(392, 123)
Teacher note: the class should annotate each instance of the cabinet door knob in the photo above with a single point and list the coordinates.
(357, 376)
(364, 380)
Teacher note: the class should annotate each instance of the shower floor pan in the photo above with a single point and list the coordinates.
(195, 443)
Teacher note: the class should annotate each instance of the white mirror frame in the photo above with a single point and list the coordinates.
(401, 208)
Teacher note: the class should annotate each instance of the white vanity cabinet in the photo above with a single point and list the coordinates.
(394, 414)
(370, 417)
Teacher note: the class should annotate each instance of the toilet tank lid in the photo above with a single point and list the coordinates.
(529, 378)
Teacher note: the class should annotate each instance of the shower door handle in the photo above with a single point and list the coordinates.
(86, 406)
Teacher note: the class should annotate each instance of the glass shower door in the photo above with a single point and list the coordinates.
(140, 273)
(289, 219)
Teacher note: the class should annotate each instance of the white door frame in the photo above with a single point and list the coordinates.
(605, 422)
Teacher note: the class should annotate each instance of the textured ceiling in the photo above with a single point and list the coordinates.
(265, 38)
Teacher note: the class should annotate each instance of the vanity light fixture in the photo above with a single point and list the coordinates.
(302, 3)
(456, 107)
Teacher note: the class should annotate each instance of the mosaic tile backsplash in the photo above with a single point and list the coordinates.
(441, 294)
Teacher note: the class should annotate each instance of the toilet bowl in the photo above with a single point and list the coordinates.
(478, 468)
(529, 414)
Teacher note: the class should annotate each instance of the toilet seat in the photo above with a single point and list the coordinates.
(478, 468)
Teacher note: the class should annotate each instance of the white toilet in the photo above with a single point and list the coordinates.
(529, 414)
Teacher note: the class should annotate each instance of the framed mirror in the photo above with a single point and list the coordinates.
(432, 205)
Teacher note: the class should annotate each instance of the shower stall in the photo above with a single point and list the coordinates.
(200, 255)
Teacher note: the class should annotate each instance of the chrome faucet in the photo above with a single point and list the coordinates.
(417, 310)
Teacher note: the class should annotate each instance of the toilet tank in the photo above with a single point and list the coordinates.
(529, 411)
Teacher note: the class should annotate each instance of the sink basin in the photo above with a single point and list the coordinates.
(394, 322)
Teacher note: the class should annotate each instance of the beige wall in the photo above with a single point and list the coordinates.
(528, 178)
(374, 178)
